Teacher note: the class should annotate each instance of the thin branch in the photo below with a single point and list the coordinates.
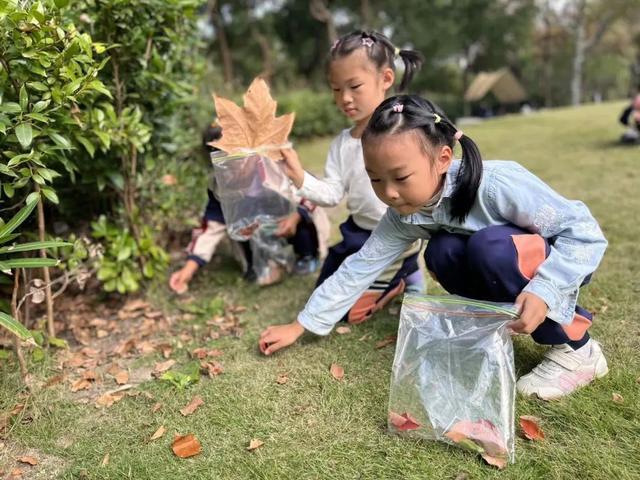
(14, 82)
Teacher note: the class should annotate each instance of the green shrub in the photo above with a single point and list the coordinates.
(316, 114)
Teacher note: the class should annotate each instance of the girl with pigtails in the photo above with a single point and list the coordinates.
(361, 70)
(495, 232)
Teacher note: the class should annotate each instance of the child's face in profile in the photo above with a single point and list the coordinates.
(358, 87)
(402, 174)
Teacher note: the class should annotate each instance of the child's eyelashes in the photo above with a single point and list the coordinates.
(355, 87)
(402, 179)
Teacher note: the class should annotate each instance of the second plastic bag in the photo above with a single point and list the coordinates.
(253, 190)
(453, 375)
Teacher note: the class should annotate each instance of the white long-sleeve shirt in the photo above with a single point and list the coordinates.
(345, 174)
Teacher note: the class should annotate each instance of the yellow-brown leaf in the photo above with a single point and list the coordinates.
(185, 446)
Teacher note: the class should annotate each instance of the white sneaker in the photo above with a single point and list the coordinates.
(563, 370)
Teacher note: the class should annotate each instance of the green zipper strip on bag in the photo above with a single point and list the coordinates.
(461, 301)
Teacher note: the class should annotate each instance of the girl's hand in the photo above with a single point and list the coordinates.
(287, 226)
(279, 336)
(179, 281)
(533, 311)
(292, 166)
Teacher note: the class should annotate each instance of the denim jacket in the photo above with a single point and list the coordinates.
(508, 194)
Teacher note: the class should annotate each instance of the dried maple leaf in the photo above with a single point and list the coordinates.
(337, 371)
(253, 126)
(159, 433)
(282, 379)
(192, 406)
(386, 341)
(481, 437)
(156, 407)
(254, 443)
(343, 330)
(531, 427)
(617, 398)
(54, 380)
(199, 353)
(29, 460)
(105, 460)
(185, 446)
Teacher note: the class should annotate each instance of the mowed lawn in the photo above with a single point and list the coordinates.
(314, 427)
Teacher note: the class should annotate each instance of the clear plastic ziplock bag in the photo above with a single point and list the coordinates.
(272, 256)
(453, 376)
(252, 189)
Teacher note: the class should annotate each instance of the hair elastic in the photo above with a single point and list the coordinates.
(367, 42)
(396, 52)
(398, 107)
(458, 135)
(334, 45)
(436, 118)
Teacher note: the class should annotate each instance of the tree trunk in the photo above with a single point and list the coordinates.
(16, 314)
(321, 12)
(267, 53)
(579, 54)
(51, 331)
(225, 52)
(365, 13)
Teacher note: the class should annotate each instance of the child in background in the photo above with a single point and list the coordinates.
(630, 118)
(495, 232)
(361, 72)
(306, 229)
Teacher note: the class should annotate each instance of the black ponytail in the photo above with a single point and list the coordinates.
(404, 113)
(380, 51)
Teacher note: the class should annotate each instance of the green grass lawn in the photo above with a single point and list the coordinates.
(314, 427)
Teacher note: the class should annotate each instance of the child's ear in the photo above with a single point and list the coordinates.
(443, 160)
(388, 78)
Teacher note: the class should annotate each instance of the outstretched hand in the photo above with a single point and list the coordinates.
(533, 311)
(276, 337)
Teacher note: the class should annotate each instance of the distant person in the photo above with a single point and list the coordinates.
(630, 118)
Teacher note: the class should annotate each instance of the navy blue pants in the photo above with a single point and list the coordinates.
(353, 237)
(495, 264)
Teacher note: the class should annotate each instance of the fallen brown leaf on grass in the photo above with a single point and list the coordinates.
(386, 341)
(185, 446)
(162, 367)
(156, 407)
(121, 377)
(192, 406)
(89, 375)
(80, 384)
(29, 460)
(337, 371)
(531, 427)
(105, 460)
(108, 399)
(254, 443)
(343, 330)
(617, 398)
(282, 379)
(16, 473)
(159, 433)
(54, 380)
(213, 369)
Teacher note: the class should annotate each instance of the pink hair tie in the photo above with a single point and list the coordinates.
(398, 107)
(367, 42)
(334, 44)
(458, 135)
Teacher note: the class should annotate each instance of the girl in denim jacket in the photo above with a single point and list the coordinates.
(495, 232)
